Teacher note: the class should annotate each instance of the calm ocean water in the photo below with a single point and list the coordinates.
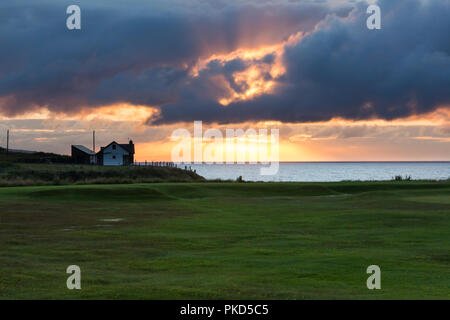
(327, 171)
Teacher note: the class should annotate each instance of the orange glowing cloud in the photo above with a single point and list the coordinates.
(116, 112)
(254, 78)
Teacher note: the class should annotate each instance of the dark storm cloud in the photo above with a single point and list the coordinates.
(143, 53)
(137, 53)
(342, 69)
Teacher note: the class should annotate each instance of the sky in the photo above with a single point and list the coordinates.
(138, 70)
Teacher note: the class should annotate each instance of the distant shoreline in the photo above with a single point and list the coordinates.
(434, 161)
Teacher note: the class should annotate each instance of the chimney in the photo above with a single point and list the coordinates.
(131, 146)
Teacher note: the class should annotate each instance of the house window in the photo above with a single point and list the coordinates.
(114, 147)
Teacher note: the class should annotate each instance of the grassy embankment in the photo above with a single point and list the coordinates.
(226, 240)
(19, 169)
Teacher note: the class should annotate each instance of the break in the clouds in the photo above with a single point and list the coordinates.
(136, 53)
(183, 58)
(342, 69)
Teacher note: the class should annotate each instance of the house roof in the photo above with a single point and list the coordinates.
(126, 146)
(84, 149)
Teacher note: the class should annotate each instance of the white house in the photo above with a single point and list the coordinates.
(115, 154)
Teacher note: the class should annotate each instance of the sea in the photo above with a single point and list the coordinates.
(325, 171)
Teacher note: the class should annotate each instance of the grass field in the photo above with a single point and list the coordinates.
(29, 174)
(226, 240)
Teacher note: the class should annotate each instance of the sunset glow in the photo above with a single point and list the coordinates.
(305, 69)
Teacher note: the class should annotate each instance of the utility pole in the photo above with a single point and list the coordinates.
(7, 141)
(93, 141)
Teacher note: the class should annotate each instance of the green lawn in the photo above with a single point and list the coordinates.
(226, 240)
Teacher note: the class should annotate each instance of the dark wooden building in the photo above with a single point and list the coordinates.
(82, 155)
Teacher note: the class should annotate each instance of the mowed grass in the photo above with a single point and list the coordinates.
(226, 240)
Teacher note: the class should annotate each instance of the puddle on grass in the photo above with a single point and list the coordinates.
(71, 228)
(336, 195)
(111, 220)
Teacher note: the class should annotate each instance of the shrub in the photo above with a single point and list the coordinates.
(400, 178)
